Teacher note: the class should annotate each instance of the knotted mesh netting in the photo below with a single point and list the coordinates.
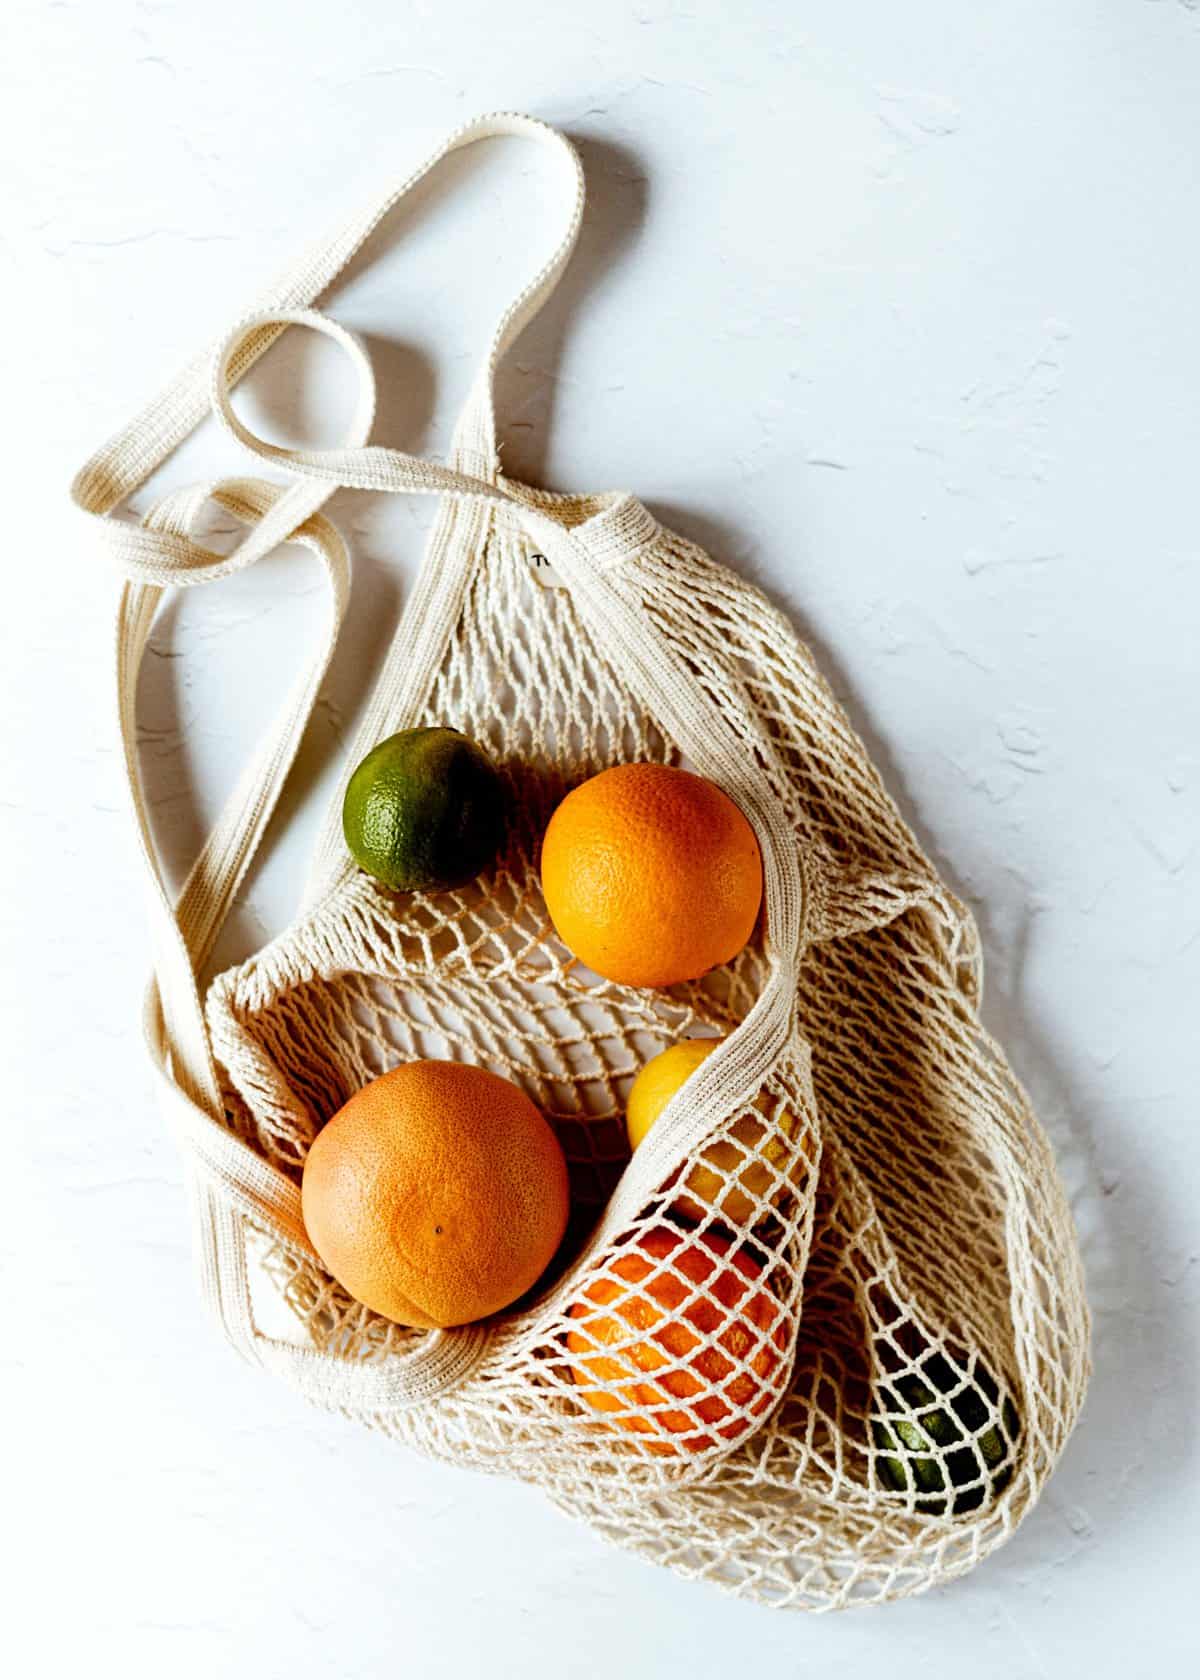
(824, 1345)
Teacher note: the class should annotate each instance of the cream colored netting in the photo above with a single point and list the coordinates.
(872, 1374)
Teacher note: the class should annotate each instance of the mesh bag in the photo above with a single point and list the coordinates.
(841, 1374)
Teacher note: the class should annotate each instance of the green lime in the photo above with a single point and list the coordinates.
(973, 1433)
(424, 809)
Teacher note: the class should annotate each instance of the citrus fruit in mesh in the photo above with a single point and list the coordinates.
(691, 1349)
(738, 1175)
(951, 1453)
(651, 875)
(424, 810)
(436, 1195)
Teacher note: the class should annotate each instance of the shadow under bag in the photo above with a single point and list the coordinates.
(927, 1323)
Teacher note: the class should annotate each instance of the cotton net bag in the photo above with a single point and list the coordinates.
(896, 1410)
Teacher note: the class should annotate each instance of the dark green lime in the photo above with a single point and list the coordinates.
(424, 810)
(975, 1433)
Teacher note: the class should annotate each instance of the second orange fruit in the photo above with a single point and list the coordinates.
(651, 875)
(437, 1195)
(684, 1338)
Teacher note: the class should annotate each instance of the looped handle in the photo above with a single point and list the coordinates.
(161, 552)
(355, 465)
(184, 934)
(129, 458)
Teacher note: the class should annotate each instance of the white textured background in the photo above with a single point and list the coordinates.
(894, 307)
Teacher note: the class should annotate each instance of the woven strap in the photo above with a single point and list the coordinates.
(163, 552)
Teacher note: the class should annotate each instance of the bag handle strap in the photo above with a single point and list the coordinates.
(129, 458)
(183, 934)
(163, 552)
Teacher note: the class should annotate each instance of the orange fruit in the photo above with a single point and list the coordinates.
(653, 1347)
(436, 1195)
(651, 875)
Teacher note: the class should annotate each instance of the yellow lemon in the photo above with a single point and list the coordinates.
(737, 1181)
